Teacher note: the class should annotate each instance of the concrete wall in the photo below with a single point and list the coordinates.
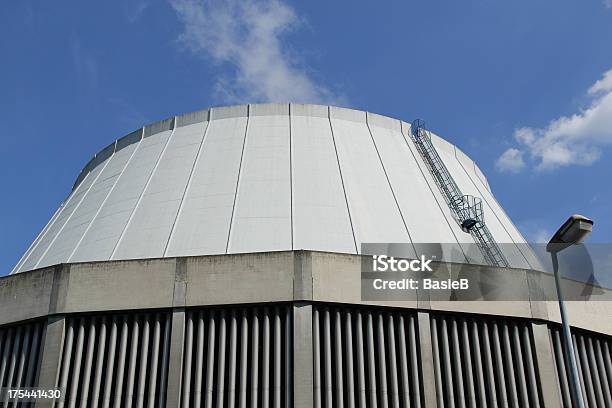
(266, 277)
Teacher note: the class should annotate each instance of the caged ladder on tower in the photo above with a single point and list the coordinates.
(466, 209)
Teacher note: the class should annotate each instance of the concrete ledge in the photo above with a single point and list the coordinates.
(267, 277)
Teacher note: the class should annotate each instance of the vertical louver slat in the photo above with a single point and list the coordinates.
(95, 397)
(338, 353)
(110, 363)
(361, 383)
(350, 380)
(393, 363)
(483, 362)
(593, 363)
(88, 362)
(489, 364)
(316, 348)
(232, 361)
(406, 400)
(210, 360)
(114, 360)
(239, 357)
(327, 358)
(365, 357)
(19, 357)
(222, 359)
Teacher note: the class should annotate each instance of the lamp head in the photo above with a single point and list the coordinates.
(573, 231)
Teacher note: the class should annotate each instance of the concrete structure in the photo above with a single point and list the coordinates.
(213, 259)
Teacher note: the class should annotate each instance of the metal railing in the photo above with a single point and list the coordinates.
(466, 209)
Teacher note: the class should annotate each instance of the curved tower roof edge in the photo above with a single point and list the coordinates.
(257, 109)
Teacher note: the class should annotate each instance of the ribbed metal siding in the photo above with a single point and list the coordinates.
(481, 362)
(593, 357)
(365, 358)
(238, 357)
(118, 360)
(20, 355)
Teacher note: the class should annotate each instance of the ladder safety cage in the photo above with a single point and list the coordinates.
(465, 209)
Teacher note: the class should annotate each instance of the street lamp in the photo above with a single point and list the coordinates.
(573, 231)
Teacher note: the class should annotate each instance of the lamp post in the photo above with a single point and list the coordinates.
(573, 231)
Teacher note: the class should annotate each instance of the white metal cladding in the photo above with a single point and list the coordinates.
(20, 354)
(251, 178)
(484, 362)
(238, 357)
(118, 360)
(594, 360)
(365, 358)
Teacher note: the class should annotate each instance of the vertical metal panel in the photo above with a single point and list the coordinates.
(371, 360)
(364, 176)
(348, 341)
(606, 380)
(221, 365)
(369, 356)
(465, 341)
(144, 358)
(339, 380)
(110, 363)
(509, 365)
(448, 376)
(91, 340)
(20, 358)
(210, 360)
(78, 354)
(520, 366)
(262, 216)
(232, 360)
(580, 372)
(393, 362)
(199, 361)
(327, 359)
(316, 350)
(95, 393)
(499, 365)
(320, 221)
(382, 362)
(162, 196)
(277, 359)
(531, 371)
(210, 197)
(437, 362)
(154, 361)
(240, 361)
(595, 376)
(484, 362)
(265, 389)
(361, 383)
(93, 368)
(458, 369)
(561, 369)
(479, 369)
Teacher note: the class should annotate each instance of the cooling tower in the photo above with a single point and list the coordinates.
(216, 259)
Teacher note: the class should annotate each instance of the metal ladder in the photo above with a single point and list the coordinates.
(466, 209)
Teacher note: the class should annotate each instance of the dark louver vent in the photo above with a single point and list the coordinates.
(365, 358)
(20, 355)
(594, 367)
(115, 360)
(237, 357)
(481, 362)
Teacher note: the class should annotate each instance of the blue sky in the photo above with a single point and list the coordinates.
(520, 86)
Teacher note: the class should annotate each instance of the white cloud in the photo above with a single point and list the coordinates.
(607, 3)
(247, 36)
(575, 139)
(511, 161)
